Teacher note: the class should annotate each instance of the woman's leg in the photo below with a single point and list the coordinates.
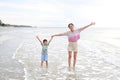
(69, 58)
(75, 57)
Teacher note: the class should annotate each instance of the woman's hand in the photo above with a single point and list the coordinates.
(92, 23)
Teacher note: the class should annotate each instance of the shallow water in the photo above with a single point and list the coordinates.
(98, 58)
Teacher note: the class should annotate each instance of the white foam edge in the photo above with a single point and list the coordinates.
(98, 54)
(14, 54)
(25, 76)
(20, 61)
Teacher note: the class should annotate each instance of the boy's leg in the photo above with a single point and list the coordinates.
(69, 58)
(42, 60)
(46, 59)
(41, 64)
(46, 64)
(75, 57)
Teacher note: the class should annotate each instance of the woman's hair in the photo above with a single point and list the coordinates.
(45, 40)
(70, 24)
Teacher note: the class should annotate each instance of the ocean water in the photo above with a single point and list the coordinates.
(98, 55)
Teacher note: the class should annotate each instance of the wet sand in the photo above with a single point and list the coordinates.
(89, 66)
(20, 56)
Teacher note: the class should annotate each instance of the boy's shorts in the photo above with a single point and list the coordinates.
(44, 57)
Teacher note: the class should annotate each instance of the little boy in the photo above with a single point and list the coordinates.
(44, 55)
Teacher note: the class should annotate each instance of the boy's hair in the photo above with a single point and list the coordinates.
(70, 24)
(45, 40)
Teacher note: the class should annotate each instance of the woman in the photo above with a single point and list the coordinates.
(73, 37)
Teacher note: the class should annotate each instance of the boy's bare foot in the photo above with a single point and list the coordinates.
(41, 66)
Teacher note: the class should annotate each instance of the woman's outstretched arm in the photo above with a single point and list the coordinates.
(92, 23)
(61, 34)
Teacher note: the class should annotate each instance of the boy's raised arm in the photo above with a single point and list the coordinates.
(39, 40)
(92, 23)
(50, 40)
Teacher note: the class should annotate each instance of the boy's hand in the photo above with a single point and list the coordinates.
(37, 37)
(52, 36)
